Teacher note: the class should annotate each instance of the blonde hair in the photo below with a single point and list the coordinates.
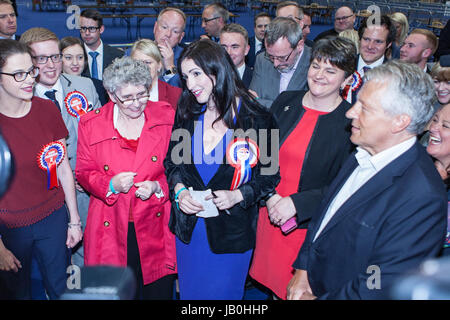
(400, 18)
(352, 35)
(149, 48)
(38, 35)
(430, 36)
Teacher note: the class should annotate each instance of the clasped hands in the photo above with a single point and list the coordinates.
(223, 199)
(123, 182)
(280, 209)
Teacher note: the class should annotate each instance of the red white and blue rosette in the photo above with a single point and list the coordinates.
(76, 104)
(355, 85)
(49, 157)
(243, 155)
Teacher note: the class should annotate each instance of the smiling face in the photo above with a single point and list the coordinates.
(371, 125)
(236, 46)
(324, 79)
(442, 90)
(9, 86)
(439, 143)
(73, 60)
(197, 81)
(373, 43)
(129, 91)
(50, 71)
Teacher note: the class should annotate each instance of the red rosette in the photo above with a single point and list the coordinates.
(76, 104)
(49, 157)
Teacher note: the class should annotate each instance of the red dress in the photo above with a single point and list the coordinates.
(275, 252)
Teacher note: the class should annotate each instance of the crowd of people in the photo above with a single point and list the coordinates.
(296, 164)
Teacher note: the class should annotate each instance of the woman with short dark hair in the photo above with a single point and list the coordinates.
(214, 248)
(314, 142)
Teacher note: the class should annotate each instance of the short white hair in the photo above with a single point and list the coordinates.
(409, 90)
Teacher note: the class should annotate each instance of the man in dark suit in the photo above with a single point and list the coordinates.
(284, 64)
(214, 18)
(344, 19)
(8, 20)
(386, 210)
(234, 39)
(100, 55)
(261, 21)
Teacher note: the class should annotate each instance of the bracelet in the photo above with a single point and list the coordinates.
(111, 187)
(176, 197)
(70, 225)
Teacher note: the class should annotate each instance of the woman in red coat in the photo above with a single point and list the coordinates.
(121, 148)
(146, 50)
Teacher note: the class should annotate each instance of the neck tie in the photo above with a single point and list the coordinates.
(366, 68)
(94, 71)
(51, 95)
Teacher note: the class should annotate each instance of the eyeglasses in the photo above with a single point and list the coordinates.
(343, 18)
(90, 29)
(210, 19)
(43, 59)
(129, 102)
(22, 75)
(279, 59)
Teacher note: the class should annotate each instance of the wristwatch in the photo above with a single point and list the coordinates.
(172, 70)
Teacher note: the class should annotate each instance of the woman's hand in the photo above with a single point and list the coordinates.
(281, 211)
(224, 199)
(122, 182)
(74, 235)
(146, 189)
(185, 201)
(8, 262)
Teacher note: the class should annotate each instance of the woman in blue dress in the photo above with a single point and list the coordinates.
(221, 141)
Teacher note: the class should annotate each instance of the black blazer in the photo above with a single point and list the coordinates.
(233, 233)
(250, 58)
(328, 148)
(247, 76)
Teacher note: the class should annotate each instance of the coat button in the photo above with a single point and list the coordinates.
(97, 111)
(158, 214)
(106, 223)
(154, 158)
(106, 167)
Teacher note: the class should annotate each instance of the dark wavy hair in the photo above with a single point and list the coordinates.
(384, 21)
(9, 47)
(214, 62)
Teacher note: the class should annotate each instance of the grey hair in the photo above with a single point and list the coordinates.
(126, 71)
(409, 91)
(282, 27)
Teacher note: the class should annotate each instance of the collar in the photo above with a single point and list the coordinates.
(41, 90)
(99, 49)
(362, 64)
(241, 70)
(383, 158)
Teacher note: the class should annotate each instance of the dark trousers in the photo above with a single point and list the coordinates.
(161, 289)
(46, 241)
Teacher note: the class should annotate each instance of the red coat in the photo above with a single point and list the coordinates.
(100, 157)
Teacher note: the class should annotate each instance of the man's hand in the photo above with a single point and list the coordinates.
(8, 262)
(298, 288)
(167, 54)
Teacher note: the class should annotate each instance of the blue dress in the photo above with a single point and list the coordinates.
(202, 274)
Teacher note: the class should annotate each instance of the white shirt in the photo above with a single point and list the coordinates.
(40, 90)
(99, 59)
(367, 168)
(362, 64)
(258, 45)
(154, 95)
(241, 70)
(285, 77)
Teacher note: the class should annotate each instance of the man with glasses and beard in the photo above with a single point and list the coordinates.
(284, 64)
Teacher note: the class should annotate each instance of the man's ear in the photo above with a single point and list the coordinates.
(102, 29)
(400, 123)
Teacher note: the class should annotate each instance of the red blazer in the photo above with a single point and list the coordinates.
(100, 156)
(168, 93)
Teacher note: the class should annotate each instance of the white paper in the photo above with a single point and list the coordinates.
(210, 207)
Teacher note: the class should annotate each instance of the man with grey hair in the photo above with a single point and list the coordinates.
(284, 64)
(214, 18)
(385, 212)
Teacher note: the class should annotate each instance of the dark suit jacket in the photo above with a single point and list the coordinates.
(251, 56)
(168, 93)
(247, 76)
(327, 150)
(109, 54)
(394, 222)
